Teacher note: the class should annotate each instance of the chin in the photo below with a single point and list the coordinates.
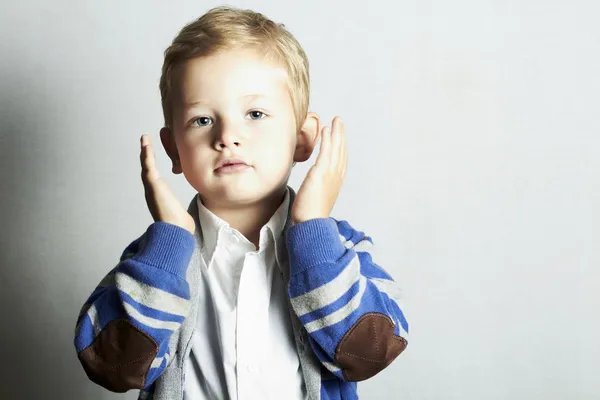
(238, 194)
(241, 189)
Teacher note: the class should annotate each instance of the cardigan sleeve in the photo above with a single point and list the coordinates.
(123, 330)
(351, 307)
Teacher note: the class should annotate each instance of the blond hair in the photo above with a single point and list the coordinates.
(228, 28)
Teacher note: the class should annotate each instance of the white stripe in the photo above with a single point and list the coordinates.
(395, 293)
(388, 287)
(330, 292)
(84, 309)
(331, 366)
(158, 361)
(149, 321)
(152, 297)
(93, 316)
(364, 245)
(340, 314)
(106, 281)
(347, 243)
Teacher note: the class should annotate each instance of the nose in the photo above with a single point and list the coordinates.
(227, 135)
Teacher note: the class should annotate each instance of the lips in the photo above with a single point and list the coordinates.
(229, 161)
(231, 169)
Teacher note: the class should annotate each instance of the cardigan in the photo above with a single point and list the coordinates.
(346, 311)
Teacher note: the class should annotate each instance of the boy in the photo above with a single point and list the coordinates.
(254, 291)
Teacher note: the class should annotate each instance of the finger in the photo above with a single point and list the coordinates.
(145, 143)
(142, 151)
(342, 140)
(324, 152)
(319, 135)
(149, 171)
(343, 150)
(345, 159)
(336, 136)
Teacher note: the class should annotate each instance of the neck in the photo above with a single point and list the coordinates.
(249, 219)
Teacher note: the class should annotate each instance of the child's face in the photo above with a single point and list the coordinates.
(245, 112)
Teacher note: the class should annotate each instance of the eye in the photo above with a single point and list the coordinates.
(202, 118)
(255, 112)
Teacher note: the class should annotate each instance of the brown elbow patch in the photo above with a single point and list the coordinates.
(119, 357)
(368, 347)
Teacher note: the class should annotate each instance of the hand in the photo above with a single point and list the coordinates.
(162, 203)
(322, 185)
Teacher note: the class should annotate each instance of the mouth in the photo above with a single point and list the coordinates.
(231, 168)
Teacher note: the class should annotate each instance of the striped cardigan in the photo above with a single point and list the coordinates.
(134, 330)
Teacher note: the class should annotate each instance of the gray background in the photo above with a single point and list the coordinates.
(472, 130)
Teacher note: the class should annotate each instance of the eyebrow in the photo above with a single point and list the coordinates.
(247, 96)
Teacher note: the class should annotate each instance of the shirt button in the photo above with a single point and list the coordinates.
(252, 368)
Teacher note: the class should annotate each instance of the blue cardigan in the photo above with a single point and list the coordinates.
(134, 330)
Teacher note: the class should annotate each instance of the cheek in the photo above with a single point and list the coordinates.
(277, 149)
(195, 145)
(196, 157)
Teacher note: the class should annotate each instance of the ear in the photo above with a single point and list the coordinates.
(168, 142)
(307, 137)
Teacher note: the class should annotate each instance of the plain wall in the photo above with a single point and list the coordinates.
(473, 139)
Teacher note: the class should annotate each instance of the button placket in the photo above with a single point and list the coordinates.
(253, 368)
(245, 327)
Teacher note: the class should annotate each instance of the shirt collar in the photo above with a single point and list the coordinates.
(213, 226)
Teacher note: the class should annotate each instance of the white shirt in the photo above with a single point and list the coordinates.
(243, 346)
